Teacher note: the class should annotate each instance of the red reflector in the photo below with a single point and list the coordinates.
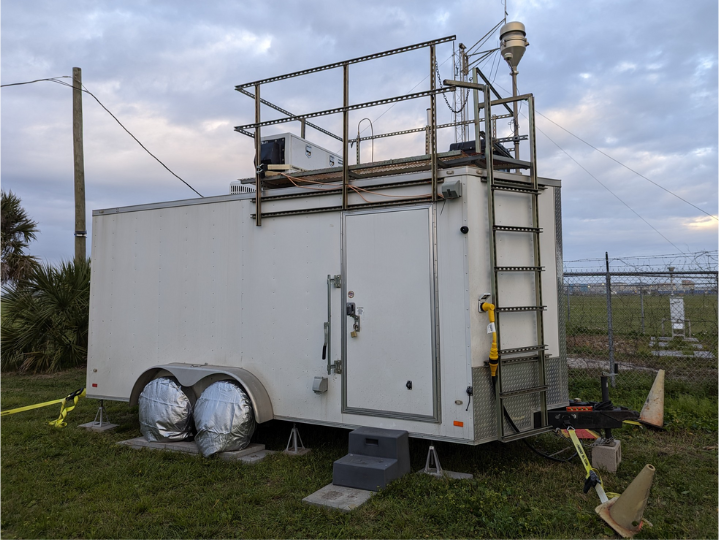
(458, 424)
(94, 385)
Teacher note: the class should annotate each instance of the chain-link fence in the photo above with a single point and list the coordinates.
(633, 324)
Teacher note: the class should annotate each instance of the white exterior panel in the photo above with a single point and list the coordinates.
(196, 282)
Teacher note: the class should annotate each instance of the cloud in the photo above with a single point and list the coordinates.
(645, 93)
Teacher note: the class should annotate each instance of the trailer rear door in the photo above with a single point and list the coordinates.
(388, 276)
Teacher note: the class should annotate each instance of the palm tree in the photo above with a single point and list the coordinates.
(45, 318)
(17, 231)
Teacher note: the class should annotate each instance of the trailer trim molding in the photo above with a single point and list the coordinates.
(189, 375)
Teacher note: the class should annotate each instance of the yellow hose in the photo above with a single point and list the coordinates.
(493, 361)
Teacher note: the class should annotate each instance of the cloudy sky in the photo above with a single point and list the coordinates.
(638, 80)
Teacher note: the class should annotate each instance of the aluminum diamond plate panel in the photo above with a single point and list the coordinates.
(484, 416)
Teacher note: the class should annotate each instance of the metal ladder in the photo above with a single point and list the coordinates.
(533, 353)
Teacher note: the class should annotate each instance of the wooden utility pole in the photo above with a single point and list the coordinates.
(80, 228)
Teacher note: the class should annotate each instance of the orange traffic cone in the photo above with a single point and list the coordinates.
(652, 411)
(624, 513)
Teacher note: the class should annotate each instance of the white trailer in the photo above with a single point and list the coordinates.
(350, 296)
(195, 289)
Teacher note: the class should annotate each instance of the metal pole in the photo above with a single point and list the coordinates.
(258, 168)
(609, 318)
(567, 294)
(476, 106)
(433, 124)
(302, 128)
(464, 77)
(427, 133)
(346, 119)
(605, 398)
(79, 166)
(642, 312)
(516, 132)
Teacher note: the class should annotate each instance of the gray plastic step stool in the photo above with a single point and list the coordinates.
(376, 457)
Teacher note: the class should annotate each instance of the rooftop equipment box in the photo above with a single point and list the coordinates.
(296, 154)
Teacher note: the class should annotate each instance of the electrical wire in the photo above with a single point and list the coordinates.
(483, 39)
(335, 185)
(84, 89)
(628, 168)
(603, 185)
(617, 161)
(609, 190)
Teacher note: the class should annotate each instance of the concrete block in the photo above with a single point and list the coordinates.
(186, 447)
(607, 457)
(340, 498)
(252, 454)
(300, 452)
(96, 427)
(449, 474)
(248, 458)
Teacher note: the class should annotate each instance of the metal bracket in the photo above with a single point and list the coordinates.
(337, 281)
(337, 366)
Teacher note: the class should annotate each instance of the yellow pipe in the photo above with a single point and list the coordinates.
(493, 361)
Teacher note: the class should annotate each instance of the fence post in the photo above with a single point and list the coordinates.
(642, 312)
(609, 317)
(567, 295)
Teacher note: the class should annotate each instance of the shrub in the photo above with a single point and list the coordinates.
(45, 318)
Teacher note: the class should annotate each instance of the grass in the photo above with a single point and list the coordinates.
(64, 483)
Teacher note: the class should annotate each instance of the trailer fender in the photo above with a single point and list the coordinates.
(199, 377)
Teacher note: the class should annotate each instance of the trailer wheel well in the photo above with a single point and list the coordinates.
(199, 377)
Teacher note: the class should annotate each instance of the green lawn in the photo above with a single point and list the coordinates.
(61, 483)
(630, 315)
(636, 332)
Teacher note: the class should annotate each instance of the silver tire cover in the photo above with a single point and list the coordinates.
(224, 419)
(165, 411)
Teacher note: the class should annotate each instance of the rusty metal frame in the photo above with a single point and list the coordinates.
(345, 110)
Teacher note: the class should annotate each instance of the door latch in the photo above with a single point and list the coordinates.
(350, 311)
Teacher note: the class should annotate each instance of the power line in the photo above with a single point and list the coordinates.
(603, 185)
(609, 190)
(628, 168)
(84, 89)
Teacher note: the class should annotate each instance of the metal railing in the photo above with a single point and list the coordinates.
(345, 110)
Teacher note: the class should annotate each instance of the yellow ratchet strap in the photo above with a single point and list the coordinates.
(589, 470)
(64, 408)
(493, 360)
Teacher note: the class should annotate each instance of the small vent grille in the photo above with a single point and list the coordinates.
(241, 188)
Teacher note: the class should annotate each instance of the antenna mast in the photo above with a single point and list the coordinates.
(461, 70)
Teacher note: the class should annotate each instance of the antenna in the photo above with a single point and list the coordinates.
(512, 48)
